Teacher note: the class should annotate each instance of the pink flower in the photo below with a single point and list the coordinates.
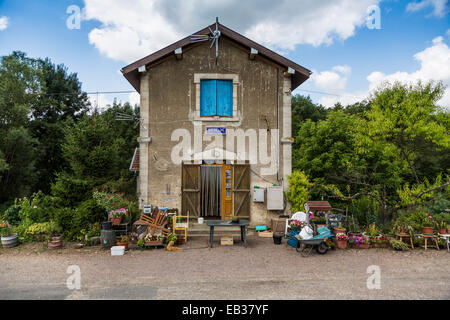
(35, 207)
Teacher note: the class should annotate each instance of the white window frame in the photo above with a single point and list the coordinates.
(216, 76)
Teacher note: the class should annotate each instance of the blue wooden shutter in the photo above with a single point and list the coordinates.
(225, 98)
(208, 97)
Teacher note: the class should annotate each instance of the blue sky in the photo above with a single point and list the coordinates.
(330, 38)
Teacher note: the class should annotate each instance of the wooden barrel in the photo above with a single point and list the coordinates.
(10, 241)
(108, 238)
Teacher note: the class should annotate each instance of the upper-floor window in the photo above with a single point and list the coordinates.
(216, 98)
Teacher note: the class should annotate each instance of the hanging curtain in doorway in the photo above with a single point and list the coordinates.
(211, 191)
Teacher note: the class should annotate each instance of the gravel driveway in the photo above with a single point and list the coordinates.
(262, 271)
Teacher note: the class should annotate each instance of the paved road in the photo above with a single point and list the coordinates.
(262, 271)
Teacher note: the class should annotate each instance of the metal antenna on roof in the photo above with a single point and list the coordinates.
(130, 117)
(214, 36)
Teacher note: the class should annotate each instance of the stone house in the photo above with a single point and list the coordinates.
(215, 126)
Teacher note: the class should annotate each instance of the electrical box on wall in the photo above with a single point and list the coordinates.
(275, 198)
(258, 195)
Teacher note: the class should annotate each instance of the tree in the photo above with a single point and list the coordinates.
(98, 149)
(403, 116)
(403, 126)
(20, 80)
(303, 109)
(61, 99)
(326, 148)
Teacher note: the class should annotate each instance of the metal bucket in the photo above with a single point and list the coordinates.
(9, 242)
(108, 238)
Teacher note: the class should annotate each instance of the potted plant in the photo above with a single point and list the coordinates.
(339, 229)
(296, 225)
(360, 242)
(118, 215)
(428, 224)
(402, 227)
(172, 237)
(380, 242)
(441, 225)
(152, 240)
(141, 244)
(319, 221)
(399, 245)
(342, 240)
(8, 238)
(54, 236)
(124, 240)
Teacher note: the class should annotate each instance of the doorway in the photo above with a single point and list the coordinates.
(215, 191)
(216, 196)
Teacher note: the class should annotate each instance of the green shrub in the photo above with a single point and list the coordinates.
(366, 210)
(71, 189)
(298, 192)
(439, 205)
(32, 210)
(75, 222)
(40, 231)
(11, 215)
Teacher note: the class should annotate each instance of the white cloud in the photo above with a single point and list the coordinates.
(440, 7)
(4, 21)
(334, 80)
(134, 98)
(129, 32)
(434, 65)
(100, 101)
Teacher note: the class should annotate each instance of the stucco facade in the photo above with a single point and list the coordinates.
(169, 107)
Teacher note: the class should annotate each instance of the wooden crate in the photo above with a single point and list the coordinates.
(265, 234)
(226, 240)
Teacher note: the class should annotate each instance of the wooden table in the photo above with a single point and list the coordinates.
(400, 237)
(227, 223)
(432, 238)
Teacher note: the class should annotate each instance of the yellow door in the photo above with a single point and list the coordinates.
(227, 193)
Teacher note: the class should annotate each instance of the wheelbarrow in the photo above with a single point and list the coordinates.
(318, 242)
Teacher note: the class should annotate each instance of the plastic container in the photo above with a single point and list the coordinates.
(117, 251)
(200, 220)
(277, 239)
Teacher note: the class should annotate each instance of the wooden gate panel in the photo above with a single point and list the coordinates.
(190, 189)
(241, 190)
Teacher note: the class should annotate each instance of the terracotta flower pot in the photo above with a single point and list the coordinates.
(116, 221)
(123, 244)
(442, 230)
(342, 244)
(427, 230)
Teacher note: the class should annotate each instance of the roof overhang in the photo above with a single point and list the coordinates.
(301, 74)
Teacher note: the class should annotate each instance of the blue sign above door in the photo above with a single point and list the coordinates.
(216, 130)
